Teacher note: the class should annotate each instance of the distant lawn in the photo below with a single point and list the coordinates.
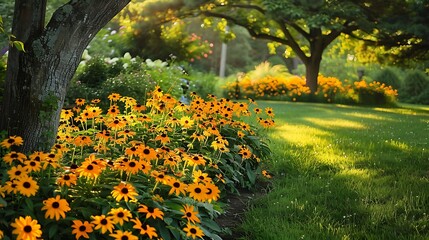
(344, 172)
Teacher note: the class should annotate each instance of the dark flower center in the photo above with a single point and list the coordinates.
(66, 177)
(103, 221)
(188, 214)
(28, 229)
(33, 163)
(116, 121)
(146, 151)
(90, 167)
(176, 184)
(55, 205)
(120, 215)
(124, 238)
(14, 155)
(132, 164)
(144, 227)
(193, 230)
(198, 190)
(17, 173)
(124, 190)
(26, 185)
(150, 209)
(10, 140)
(209, 191)
(82, 228)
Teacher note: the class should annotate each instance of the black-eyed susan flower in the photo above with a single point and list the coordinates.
(146, 166)
(144, 229)
(212, 192)
(66, 114)
(81, 141)
(67, 179)
(120, 215)
(60, 148)
(89, 170)
(200, 176)
(103, 223)
(52, 159)
(132, 167)
(245, 152)
(123, 235)
(16, 172)
(10, 187)
(186, 122)
(27, 186)
(148, 153)
(163, 138)
(55, 208)
(266, 174)
(151, 211)
(95, 101)
(117, 124)
(10, 157)
(197, 191)
(177, 187)
(114, 97)
(193, 231)
(26, 228)
(12, 141)
(269, 111)
(81, 229)
(124, 191)
(139, 108)
(190, 214)
(198, 136)
(80, 101)
(113, 111)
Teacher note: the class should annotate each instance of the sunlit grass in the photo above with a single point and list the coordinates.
(343, 172)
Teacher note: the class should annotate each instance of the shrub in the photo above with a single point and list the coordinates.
(389, 78)
(153, 170)
(202, 83)
(374, 93)
(416, 83)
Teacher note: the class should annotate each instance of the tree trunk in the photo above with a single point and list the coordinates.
(37, 80)
(312, 68)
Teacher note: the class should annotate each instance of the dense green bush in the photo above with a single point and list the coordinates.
(202, 83)
(389, 77)
(97, 78)
(415, 87)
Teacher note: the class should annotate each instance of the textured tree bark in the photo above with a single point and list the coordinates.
(37, 80)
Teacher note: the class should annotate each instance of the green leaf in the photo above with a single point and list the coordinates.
(53, 229)
(3, 202)
(19, 45)
(212, 225)
(29, 203)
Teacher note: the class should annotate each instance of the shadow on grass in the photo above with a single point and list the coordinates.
(345, 173)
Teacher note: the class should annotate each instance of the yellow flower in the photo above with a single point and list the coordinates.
(151, 211)
(81, 229)
(193, 231)
(27, 186)
(55, 208)
(124, 191)
(104, 223)
(190, 214)
(122, 235)
(26, 228)
(119, 215)
(12, 141)
(144, 228)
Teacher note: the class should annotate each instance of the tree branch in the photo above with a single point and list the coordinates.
(251, 31)
(293, 44)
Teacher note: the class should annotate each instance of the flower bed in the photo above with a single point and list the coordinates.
(139, 171)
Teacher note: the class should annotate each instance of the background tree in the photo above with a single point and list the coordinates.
(308, 27)
(37, 80)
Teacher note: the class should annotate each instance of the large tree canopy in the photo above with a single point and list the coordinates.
(37, 80)
(308, 27)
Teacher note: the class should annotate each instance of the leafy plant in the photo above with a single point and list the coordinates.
(153, 170)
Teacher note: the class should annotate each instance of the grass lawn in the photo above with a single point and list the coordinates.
(345, 172)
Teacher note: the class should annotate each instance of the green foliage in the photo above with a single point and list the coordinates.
(154, 160)
(388, 77)
(203, 84)
(416, 87)
(97, 78)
